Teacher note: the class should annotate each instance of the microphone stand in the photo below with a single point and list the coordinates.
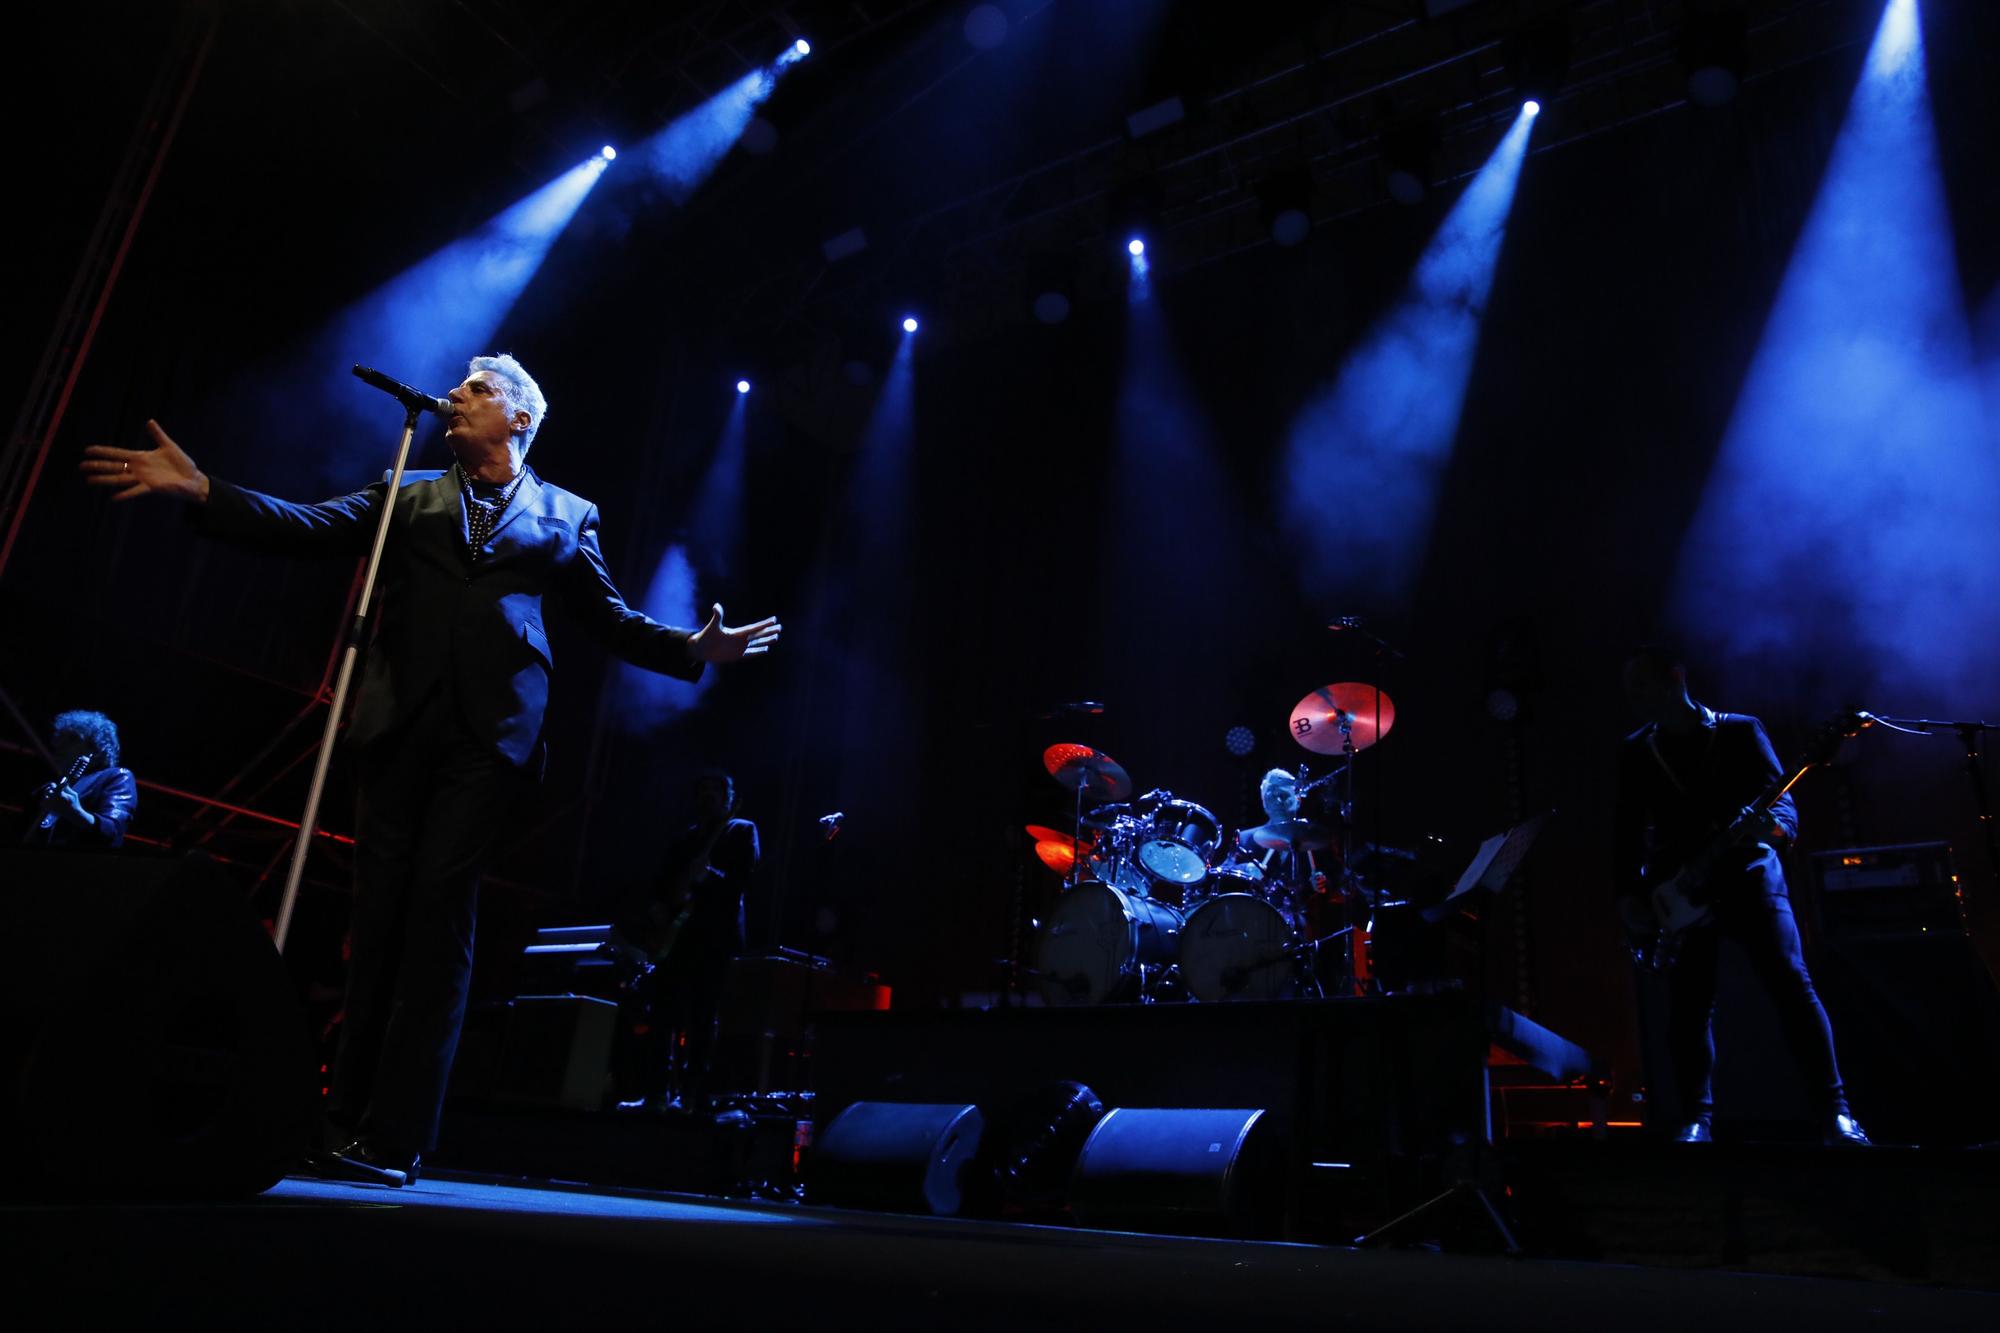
(356, 634)
(1982, 800)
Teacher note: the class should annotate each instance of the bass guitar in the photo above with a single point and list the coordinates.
(1681, 901)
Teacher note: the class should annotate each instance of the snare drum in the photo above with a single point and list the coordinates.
(1236, 946)
(1098, 942)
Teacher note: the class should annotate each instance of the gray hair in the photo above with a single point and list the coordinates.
(1277, 777)
(522, 393)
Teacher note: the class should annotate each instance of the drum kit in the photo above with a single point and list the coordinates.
(1158, 904)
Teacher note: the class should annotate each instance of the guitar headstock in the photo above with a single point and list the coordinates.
(1841, 726)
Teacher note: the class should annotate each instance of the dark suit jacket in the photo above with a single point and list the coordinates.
(442, 616)
(1673, 791)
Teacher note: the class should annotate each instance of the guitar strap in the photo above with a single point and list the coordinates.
(1708, 719)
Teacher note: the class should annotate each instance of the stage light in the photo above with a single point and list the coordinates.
(1240, 741)
(608, 153)
(1051, 307)
(803, 47)
(1135, 246)
(743, 386)
(909, 323)
(1532, 107)
(1714, 50)
(1409, 160)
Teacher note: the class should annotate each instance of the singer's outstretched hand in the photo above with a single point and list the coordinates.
(164, 469)
(715, 642)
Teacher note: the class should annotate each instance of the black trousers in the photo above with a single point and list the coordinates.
(1756, 912)
(432, 803)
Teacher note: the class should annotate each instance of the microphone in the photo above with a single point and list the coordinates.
(412, 400)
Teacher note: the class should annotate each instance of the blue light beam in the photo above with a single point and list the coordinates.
(647, 701)
(1846, 538)
(1384, 431)
(420, 326)
(714, 526)
(684, 153)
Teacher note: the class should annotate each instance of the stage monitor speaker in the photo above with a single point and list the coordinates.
(896, 1156)
(1190, 1172)
(150, 1038)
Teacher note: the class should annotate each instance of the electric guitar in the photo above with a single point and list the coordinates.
(1681, 901)
(49, 816)
(658, 941)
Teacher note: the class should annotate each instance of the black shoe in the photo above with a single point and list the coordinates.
(363, 1163)
(1694, 1131)
(1844, 1131)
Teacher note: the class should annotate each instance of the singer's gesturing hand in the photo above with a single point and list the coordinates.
(715, 642)
(164, 469)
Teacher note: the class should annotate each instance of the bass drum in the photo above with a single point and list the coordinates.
(1098, 942)
(1236, 946)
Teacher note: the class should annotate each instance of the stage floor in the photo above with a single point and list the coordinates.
(462, 1252)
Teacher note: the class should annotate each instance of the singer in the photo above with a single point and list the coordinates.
(447, 726)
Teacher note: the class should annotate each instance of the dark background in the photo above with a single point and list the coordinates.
(326, 147)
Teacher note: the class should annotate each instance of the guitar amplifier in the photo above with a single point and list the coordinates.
(1877, 893)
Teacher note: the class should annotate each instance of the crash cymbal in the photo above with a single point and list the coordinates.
(1043, 833)
(1096, 772)
(1316, 721)
(1291, 835)
(1056, 855)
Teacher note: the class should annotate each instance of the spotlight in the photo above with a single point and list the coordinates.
(803, 47)
(1714, 50)
(1240, 741)
(1051, 278)
(743, 386)
(909, 323)
(1135, 246)
(1538, 59)
(1284, 200)
(608, 153)
(1409, 160)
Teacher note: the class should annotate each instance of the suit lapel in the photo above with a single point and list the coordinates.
(525, 499)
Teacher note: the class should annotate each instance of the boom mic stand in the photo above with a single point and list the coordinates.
(356, 634)
(1975, 771)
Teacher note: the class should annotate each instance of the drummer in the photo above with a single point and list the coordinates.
(1279, 791)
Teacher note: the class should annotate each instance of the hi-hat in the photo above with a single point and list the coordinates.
(1316, 722)
(1290, 835)
(1096, 772)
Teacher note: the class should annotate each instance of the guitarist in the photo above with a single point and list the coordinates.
(1681, 777)
(689, 925)
(92, 799)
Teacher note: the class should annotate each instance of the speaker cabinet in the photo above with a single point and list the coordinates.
(150, 1039)
(896, 1156)
(1187, 1171)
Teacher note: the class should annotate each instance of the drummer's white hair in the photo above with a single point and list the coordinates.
(523, 394)
(1276, 778)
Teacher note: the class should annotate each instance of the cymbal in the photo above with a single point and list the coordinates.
(1095, 771)
(1056, 855)
(1043, 833)
(1316, 721)
(1291, 835)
